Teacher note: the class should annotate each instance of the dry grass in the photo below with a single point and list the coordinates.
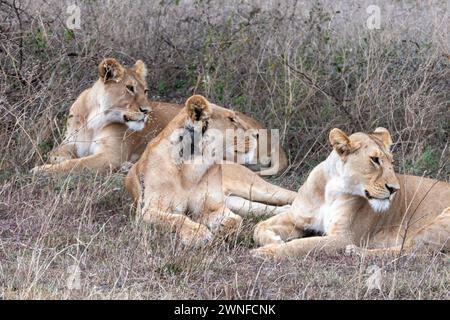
(49, 225)
(297, 66)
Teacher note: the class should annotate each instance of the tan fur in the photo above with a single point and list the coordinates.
(171, 191)
(98, 134)
(111, 144)
(343, 199)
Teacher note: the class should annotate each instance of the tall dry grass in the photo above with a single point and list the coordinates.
(298, 66)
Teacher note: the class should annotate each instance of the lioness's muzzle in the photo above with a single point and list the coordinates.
(137, 118)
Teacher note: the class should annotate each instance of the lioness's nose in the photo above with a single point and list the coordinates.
(392, 188)
(144, 109)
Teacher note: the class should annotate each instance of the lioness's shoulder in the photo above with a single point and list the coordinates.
(80, 106)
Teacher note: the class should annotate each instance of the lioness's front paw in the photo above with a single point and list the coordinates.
(352, 250)
(40, 169)
(54, 159)
(195, 236)
(230, 224)
(267, 251)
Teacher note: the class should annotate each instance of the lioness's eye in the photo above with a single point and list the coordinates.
(130, 88)
(376, 160)
(146, 91)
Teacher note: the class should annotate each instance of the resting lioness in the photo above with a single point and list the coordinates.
(178, 180)
(356, 200)
(112, 122)
(103, 122)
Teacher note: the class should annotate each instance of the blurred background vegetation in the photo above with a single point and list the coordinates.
(302, 67)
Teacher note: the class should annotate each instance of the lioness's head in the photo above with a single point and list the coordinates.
(366, 165)
(199, 136)
(123, 94)
(243, 137)
(242, 146)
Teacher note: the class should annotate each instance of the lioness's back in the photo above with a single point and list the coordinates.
(422, 196)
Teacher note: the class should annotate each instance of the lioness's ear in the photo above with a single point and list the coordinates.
(110, 69)
(198, 107)
(140, 69)
(384, 135)
(340, 142)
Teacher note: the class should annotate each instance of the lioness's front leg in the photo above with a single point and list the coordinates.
(302, 247)
(222, 220)
(278, 229)
(99, 161)
(190, 232)
(63, 152)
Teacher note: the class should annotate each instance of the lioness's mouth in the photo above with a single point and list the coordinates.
(369, 197)
(128, 119)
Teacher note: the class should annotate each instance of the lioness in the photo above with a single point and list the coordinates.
(356, 200)
(103, 122)
(179, 174)
(112, 122)
(107, 125)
